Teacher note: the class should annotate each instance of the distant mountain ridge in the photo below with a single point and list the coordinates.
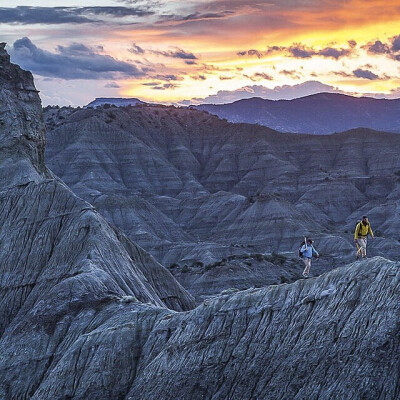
(116, 101)
(322, 113)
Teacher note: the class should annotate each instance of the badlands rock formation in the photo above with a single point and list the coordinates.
(195, 190)
(60, 260)
(86, 314)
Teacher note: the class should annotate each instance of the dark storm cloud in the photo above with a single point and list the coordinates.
(62, 15)
(76, 61)
(365, 74)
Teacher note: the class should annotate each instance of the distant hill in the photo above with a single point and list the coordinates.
(117, 101)
(322, 113)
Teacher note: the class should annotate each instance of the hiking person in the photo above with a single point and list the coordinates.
(307, 251)
(363, 228)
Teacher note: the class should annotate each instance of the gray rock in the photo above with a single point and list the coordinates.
(190, 188)
(115, 101)
(336, 336)
(61, 262)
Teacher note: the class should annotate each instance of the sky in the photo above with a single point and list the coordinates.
(192, 51)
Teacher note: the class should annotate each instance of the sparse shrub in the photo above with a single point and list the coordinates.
(209, 266)
(213, 265)
(185, 269)
(259, 257)
(284, 279)
(198, 264)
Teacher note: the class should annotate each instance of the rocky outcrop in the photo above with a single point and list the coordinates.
(336, 336)
(322, 113)
(22, 128)
(193, 190)
(61, 263)
(117, 101)
(318, 339)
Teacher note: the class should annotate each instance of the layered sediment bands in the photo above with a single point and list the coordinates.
(22, 129)
(61, 264)
(195, 190)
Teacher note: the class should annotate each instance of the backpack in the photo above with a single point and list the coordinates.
(359, 226)
(300, 252)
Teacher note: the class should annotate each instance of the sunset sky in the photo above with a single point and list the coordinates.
(210, 50)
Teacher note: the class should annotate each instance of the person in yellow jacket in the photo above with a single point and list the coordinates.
(363, 228)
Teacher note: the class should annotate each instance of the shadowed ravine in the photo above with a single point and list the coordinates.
(87, 314)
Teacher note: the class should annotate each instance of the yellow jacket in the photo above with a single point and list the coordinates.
(363, 230)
